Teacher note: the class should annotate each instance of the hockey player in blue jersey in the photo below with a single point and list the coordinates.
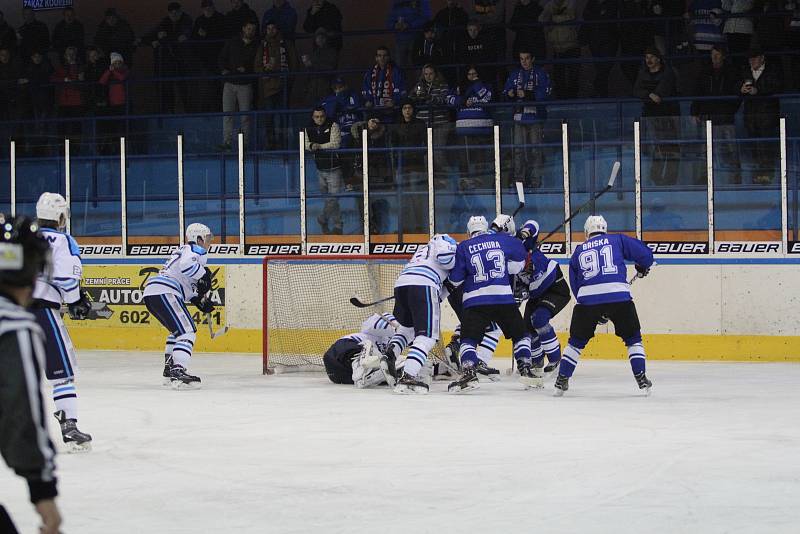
(60, 364)
(484, 264)
(548, 294)
(184, 278)
(355, 358)
(417, 298)
(598, 277)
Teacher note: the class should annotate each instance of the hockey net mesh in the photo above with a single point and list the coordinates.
(307, 303)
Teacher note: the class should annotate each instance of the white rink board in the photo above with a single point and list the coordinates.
(713, 450)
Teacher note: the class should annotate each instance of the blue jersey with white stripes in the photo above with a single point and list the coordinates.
(180, 274)
(597, 271)
(484, 264)
(430, 264)
(65, 284)
(544, 274)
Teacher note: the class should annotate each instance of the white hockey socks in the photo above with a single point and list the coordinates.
(182, 353)
(65, 397)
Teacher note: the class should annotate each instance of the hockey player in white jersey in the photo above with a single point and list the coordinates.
(417, 297)
(184, 278)
(48, 294)
(355, 358)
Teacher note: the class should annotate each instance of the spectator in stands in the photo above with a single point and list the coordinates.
(235, 18)
(9, 81)
(69, 94)
(323, 57)
(657, 81)
(528, 34)
(171, 55)
(381, 175)
(236, 62)
(477, 47)
(562, 39)
(95, 94)
(474, 128)
(737, 28)
(69, 32)
(762, 79)
(706, 21)
(427, 49)
(383, 86)
(526, 86)
(491, 15)
(8, 37)
(115, 79)
(275, 56)
(32, 35)
(637, 36)
(36, 79)
(342, 106)
(407, 17)
(451, 22)
(718, 78)
(284, 15)
(410, 133)
(429, 96)
(207, 36)
(115, 34)
(324, 14)
(601, 35)
(323, 139)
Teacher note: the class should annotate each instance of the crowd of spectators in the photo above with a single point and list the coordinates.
(445, 66)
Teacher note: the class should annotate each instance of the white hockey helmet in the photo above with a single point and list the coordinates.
(595, 224)
(197, 231)
(504, 224)
(530, 230)
(52, 207)
(477, 224)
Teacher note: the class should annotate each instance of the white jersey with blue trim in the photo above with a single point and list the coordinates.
(180, 274)
(377, 328)
(65, 284)
(430, 265)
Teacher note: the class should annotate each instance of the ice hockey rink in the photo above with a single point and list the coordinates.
(713, 449)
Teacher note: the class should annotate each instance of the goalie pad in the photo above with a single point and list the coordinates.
(366, 366)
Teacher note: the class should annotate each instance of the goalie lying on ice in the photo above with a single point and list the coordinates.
(355, 358)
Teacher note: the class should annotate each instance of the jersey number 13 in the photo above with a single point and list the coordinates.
(497, 266)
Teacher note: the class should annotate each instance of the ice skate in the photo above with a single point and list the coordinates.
(74, 439)
(644, 383)
(410, 385)
(551, 367)
(530, 377)
(467, 382)
(167, 364)
(491, 373)
(561, 385)
(180, 379)
(388, 367)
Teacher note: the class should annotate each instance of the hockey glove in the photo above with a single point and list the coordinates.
(79, 310)
(204, 284)
(642, 271)
(203, 304)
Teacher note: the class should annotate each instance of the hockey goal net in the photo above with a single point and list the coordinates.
(307, 304)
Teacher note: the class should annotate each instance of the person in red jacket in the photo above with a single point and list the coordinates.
(116, 79)
(69, 93)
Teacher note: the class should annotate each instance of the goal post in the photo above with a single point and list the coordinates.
(306, 304)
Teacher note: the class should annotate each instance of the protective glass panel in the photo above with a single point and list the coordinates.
(37, 174)
(152, 193)
(5, 184)
(272, 197)
(96, 201)
(211, 193)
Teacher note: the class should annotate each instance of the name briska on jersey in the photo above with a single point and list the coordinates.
(595, 243)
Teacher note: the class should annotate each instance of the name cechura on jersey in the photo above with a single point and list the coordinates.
(477, 247)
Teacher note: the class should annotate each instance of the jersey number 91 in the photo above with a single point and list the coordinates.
(593, 262)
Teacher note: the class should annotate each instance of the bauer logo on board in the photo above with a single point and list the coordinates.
(553, 248)
(748, 248)
(678, 247)
(100, 250)
(323, 249)
(394, 248)
(794, 247)
(293, 249)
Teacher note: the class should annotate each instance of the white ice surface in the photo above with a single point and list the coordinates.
(716, 448)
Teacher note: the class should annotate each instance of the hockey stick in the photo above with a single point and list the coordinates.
(521, 197)
(606, 189)
(218, 333)
(359, 304)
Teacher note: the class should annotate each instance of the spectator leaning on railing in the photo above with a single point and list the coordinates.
(717, 77)
(69, 94)
(114, 34)
(562, 40)
(761, 80)
(477, 47)
(410, 169)
(491, 14)
(95, 95)
(528, 85)
(69, 32)
(284, 15)
(528, 34)
(236, 62)
(427, 49)
(32, 35)
(323, 57)
(450, 22)
(474, 127)
(342, 106)
(207, 39)
(706, 20)
(657, 81)
(324, 14)
(275, 56)
(239, 14)
(323, 139)
(171, 55)
(407, 17)
(115, 79)
(36, 79)
(737, 28)
(383, 86)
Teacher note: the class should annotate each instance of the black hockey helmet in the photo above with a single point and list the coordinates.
(24, 252)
